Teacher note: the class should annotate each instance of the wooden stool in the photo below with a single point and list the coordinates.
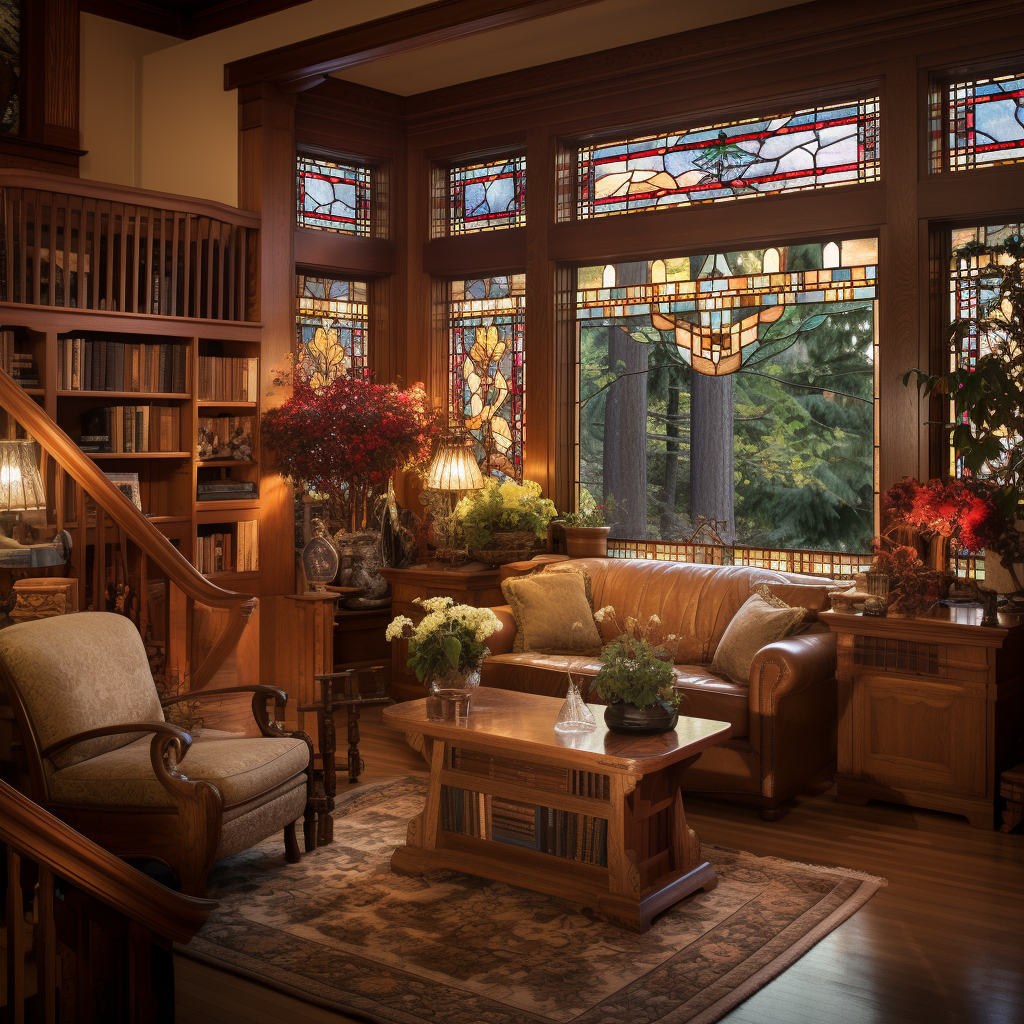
(1011, 789)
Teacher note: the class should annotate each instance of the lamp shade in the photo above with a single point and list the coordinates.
(21, 486)
(454, 468)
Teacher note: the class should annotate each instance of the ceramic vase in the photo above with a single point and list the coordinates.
(586, 541)
(658, 717)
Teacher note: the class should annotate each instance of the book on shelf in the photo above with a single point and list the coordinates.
(219, 551)
(20, 365)
(228, 378)
(125, 429)
(101, 364)
(225, 437)
(226, 490)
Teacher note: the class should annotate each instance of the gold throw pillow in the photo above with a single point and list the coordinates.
(754, 626)
(553, 615)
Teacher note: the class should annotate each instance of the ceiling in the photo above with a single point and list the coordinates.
(184, 18)
(598, 26)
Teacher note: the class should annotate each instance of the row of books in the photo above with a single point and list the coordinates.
(95, 364)
(228, 378)
(538, 776)
(20, 365)
(222, 552)
(580, 837)
(131, 428)
(225, 437)
(226, 489)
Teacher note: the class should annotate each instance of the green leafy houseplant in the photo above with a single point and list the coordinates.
(636, 669)
(589, 515)
(504, 507)
(449, 639)
(988, 397)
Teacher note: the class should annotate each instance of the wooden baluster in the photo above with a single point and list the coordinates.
(108, 235)
(223, 289)
(149, 263)
(208, 308)
(143, 593)
(46, 949)
(191, 639)
(99, 560)
(37, 248)
(90, 284)
(136, 262)
(22, 295)
(122, 262)
(51, 247)
(172, 307)
(81, 549)
(67, 256)
(186, 269)
(59, 496)
(17, 946)
(230, 288)
(8, 283)
(80, 246)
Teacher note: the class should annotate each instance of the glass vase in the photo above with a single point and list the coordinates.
(574, 715)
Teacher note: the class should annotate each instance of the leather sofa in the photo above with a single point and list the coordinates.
(783, 716)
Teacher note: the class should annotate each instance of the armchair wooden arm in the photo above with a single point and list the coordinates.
(260, 694)
(174, 732)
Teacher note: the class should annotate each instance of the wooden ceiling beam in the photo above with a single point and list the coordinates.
(305, 64)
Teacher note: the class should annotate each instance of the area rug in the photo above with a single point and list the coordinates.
(341, 931)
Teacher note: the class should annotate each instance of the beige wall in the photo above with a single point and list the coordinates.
(154, 109)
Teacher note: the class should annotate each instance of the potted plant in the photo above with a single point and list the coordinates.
(340, 438)
(586, 530)
(503, 521)
(987, 395)
(636, 679)
(447, 647)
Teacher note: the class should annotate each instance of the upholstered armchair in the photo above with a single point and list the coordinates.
(102, 757)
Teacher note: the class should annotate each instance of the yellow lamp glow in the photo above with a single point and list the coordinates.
(454, 468)
(21, 486)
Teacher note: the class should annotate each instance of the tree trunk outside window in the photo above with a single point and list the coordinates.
(712, 483)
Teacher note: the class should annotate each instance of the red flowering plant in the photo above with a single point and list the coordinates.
(913, 587)
(343, 437)
(953, 510)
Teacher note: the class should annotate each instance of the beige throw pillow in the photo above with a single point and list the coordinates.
(754, 626)
(553, 615)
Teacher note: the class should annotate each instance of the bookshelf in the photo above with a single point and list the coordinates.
(147, 348)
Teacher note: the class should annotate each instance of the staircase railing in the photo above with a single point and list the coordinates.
(192, 628)
(86, 936)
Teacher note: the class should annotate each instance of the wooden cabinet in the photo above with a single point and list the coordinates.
(930, 709)
(474, 584)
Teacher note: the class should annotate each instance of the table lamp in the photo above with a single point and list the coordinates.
(454, 467)
(21, 486)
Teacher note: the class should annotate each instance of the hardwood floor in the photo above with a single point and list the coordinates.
(942, 944)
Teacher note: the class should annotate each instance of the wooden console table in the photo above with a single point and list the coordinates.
(930, 709)
(592, 817)
(474, 584)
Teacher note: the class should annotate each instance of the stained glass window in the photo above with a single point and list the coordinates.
(10, 66)
(978, 123)
(807, 149)
(332, 326)
(485, 196)
(334, 196)
(486, 325)
(732, 409)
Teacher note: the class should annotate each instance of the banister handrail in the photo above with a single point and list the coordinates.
(39, 835)
(87, 474)
(38, 181)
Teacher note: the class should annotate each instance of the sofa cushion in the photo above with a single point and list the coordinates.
(80, 672)
(242, 769)
(754, 626)
(552, 613)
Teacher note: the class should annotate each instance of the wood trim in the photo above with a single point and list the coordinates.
(477, 254)
(337, 253)
(384, 37)
(47, 840)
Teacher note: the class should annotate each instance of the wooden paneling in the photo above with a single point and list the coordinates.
(334, 251)
(477, 254)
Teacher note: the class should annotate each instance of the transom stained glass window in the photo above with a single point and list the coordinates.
(978, 123)
(486, 328)
(488, 195)
(729, 403)
(334, 196)
(332, 326)
(807, 149)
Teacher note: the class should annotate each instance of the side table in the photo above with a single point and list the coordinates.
(474, 584)
(931, 709)
(319, 829)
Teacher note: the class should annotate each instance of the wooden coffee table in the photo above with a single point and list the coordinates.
(596, 818)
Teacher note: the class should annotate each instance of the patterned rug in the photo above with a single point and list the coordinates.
(341, 931)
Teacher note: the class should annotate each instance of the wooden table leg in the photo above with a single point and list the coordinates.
(424, 828)
(355, 763)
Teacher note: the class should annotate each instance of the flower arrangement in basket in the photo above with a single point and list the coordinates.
(636, 679)
(447, 647)
(504, 520)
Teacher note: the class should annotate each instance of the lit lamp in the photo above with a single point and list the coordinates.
(454, 468)
(21, 486)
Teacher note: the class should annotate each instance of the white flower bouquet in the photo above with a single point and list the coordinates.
(448, 640)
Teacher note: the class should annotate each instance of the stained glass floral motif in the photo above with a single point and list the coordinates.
(332, 326)
(10, 66)
(486, 323)
(978, 123)
(334, 196)
(807, 149)
(485, 196)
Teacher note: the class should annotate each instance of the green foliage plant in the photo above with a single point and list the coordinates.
(988, 398)
(636, 668)
(448, 639)
(590, 515)
(504, 506)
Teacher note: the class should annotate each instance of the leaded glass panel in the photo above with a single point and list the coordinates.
(486, 331)
(978, 123)
(485, 196)
(332, 326)
(807, 149)
(334, 196)
(733, 410)
(10, 66)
